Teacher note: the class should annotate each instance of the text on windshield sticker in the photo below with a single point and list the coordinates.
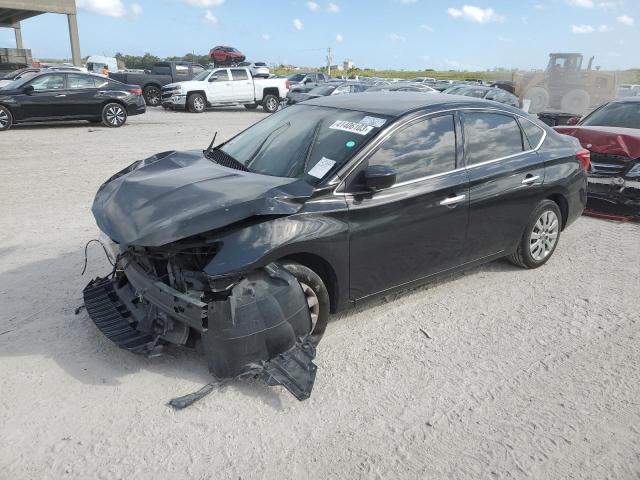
(353, 127)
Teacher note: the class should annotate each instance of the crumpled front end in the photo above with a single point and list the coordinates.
(255, 324)
(614, 184)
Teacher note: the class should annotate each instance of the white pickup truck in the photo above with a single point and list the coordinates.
(225, 86)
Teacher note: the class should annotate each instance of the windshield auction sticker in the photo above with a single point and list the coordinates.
(352, 127)
(373, 121)
(321, 168)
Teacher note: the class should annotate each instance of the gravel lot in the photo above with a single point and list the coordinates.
(527, 374)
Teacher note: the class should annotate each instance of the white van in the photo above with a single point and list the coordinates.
(95, 64)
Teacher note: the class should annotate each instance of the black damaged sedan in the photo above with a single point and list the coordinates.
(247, 247)
(57, 95)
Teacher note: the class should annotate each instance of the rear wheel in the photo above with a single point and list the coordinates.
(152, 96)
(114, 115)
(540, 238)
(196, 103)
(317, 297)
(270, 103)
(6, 119)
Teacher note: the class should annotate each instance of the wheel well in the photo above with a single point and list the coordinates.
(270, 91)
(201, 92)
(152, 85)
(562, 203)
(106, 102)
(323, 269)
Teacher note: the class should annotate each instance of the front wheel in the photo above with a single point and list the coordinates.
(270, 103)
(114, 115)
(196, 103)
(316, 295)
(540, 238)
(6, 119)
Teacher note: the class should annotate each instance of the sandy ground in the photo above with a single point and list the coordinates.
(528, 374)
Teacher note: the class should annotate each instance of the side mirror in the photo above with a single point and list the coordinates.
(28, 90)
(213, 78)
(377, 177)
(573, 120)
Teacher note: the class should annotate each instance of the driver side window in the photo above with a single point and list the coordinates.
(48, 82)
(423, 148)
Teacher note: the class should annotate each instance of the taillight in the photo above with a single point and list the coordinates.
(286, 84)
(584, 156)
(136, 91)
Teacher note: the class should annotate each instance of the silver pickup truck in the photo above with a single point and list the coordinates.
(225, 86)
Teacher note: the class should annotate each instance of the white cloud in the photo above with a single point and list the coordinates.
(204, 3)
(475, 14)
(210, 18)
(540, 6)
(625, 20)
(394, 37)
(427, 28)
(339, 38)
(313, 6)
(582, 3)
(333, 8)
(580, 29)
(266, 36)
(109, 8)
(603, 28)
(608, 5)
(297, 24)
(135, 9)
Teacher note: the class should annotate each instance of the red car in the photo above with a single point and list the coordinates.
(224, 56)
(612, 134)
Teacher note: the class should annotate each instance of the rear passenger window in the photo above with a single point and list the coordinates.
(239, 74)
(426, 147)
(80, 81)
(490, 136)
(532, 131)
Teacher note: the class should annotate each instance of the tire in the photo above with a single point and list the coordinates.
(251, 106)
(114, 115)
(539, 99)
(270, 103)
(545, 223)
(152, 96)
(576, 102)
(196, 103)
(6, 119)
(317, 297)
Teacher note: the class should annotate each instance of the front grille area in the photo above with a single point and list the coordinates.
(603, 164)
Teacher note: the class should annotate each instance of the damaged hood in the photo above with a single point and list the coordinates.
(175, 195)
(624, 142)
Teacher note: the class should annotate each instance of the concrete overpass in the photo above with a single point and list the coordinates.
(12, 12)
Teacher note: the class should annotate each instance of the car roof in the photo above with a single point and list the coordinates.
(397, 104)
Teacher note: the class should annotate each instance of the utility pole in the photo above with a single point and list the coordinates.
(329, 60)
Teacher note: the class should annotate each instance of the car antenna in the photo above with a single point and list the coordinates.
(210, 147)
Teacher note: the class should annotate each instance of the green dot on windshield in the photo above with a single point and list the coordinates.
(350, 144)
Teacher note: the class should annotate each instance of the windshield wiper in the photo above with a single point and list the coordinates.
(312, 144)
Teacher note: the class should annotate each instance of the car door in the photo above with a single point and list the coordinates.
(242, 85)
(219, 87)
(47, 98)
(417, 227)
(505, 181)
(82, 96)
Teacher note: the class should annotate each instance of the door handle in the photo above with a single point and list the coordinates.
(453, 200)
(61, 95)
(530, 179)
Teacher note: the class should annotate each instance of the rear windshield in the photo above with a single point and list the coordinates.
(304, 141)
(623, 114)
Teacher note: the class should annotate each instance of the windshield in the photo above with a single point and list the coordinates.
(622, 114)
(202, 75)
(322, 90)
(303, 141)
(296, 77)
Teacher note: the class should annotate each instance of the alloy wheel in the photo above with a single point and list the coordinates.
(4, 119)
(153, 96)
(115, 115)
(544, 235)
(313, 303)
(272, 104)
(198, 103)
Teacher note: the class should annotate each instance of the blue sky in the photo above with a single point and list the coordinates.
(398, 34)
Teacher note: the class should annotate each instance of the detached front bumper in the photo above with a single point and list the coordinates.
(257, 326)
